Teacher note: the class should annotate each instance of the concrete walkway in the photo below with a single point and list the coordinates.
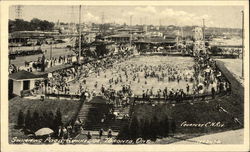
(228, 137)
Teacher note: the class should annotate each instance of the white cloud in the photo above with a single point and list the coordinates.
(89, 17)
(167, 16)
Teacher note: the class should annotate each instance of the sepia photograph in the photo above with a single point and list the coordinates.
(141, 74)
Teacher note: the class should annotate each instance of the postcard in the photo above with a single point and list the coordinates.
(124, 76)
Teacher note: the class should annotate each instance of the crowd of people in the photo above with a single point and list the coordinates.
(71, 130)
(199, 78)
(177, 80)
(73, 80)
(36, 65)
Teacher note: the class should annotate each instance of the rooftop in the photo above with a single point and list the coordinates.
(22, 75)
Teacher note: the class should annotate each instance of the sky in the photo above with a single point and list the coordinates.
(215, 16)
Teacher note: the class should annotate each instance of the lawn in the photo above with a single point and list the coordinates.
(197, 113)
(68, 109)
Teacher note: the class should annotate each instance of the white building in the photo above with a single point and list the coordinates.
(199, 44)
(22, 81)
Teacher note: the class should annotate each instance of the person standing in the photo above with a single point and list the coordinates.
(60, 131)
(213, 92)
(187, 89)
(100, 133)
(109, 133)
(89, 136)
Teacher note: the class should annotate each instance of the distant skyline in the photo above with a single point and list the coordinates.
(215, 16)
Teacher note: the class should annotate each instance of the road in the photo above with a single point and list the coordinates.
(227, 137)
(56, 52)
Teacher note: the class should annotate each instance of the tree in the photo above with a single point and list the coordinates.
(154, 128)
(101, 50)
(20, 119)
(44, 120)
(146, 130)
(28, 120)
(124, 133)
(134, 129)
(57, 120)
(34, 24)
(173, 126)
(50, 120)
(35, 121)
(166, 127)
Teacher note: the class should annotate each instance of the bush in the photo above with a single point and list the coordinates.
(20, 119)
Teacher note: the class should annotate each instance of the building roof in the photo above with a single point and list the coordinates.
(120, 35)
(155, 40)
(22, 75)
(52, 69)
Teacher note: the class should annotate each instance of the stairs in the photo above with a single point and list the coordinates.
(83, 113)
(114, 125)
(93, 111)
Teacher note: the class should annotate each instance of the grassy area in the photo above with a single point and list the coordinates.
(198, 113)
(67, 107)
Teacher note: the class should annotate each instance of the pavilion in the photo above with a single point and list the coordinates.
(21, 81)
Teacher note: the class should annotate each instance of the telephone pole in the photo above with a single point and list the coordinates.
(242, 12)
(102, 17)
(203, 20)
(102, 25)
(131, 16)
(130, 41)
(19, 12)
(204, 35)
(80, 41)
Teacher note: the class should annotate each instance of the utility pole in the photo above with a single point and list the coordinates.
(102, 26)
(51, 50)
(79, 35)
(102, 17)
(72, 15)
(242, 12)
(204, 35)
(182, 32)
(130, 41)
(131, 16)
(19, 12)
(203, 20)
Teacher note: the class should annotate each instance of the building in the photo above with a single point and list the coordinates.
(22, 81)
(199, 44)
(20, 38)
(119, 38)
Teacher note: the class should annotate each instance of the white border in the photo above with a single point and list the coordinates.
(146, 148)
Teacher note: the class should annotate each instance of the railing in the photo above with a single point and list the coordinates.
(71, 96)
(73, 119)
(165, 54)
